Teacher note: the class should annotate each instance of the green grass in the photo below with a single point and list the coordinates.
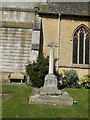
(15, 105)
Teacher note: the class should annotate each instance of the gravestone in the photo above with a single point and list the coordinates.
(49, 93)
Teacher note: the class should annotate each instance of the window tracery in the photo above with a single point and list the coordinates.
(81, 46)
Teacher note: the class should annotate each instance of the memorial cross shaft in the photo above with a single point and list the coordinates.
(51, 58)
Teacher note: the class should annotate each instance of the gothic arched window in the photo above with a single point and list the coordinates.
(87, 49)
(81, 46)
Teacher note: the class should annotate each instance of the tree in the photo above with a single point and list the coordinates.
(37, 71)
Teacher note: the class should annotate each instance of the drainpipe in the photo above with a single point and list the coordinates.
(58, 49)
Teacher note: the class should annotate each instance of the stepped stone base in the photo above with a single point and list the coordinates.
(62, 98)
(49, 93)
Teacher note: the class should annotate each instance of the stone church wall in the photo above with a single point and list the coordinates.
(50, 34)
(19, 35)
(16, 44)
(64, 54)
(67, 28)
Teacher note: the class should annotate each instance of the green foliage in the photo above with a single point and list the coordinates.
(69, 79)
(86, 81)
(85, 78)
(28, 83)
(78, 85)
(37, 71)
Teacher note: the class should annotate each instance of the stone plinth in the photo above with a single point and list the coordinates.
(49, 93)
(50, 81)
(50, 86)
(54, 99)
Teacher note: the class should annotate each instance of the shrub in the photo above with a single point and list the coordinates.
(78, 85)
(85, 78)
(37, 71)
(69, 79)
(87, 85)
(28, 83)
(86, 81)
(60, 82)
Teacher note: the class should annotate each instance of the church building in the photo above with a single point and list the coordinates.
(27, 31)
(68, 26)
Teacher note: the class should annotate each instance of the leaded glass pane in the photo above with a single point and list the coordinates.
(75, 49)
(87, 50)
(81, 45)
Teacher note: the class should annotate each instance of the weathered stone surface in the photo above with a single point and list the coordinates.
(15, 51)
(16, 75)
(18, 34)
(50, 81)
(50, 86)
(61, 99)
(50, 91)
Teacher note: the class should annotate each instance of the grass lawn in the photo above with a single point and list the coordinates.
(15, 105)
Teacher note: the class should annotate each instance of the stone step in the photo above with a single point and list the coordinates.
(64, 99)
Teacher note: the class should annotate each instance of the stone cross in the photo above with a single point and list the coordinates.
(51, 58)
